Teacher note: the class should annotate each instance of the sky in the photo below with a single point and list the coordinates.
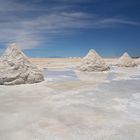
(70, 28)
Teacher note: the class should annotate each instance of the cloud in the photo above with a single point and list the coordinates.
(112, 22)
(29, 29)
(57, 22)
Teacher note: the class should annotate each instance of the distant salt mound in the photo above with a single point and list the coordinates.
(93, 62)
(126, 61)
(137, 61)
(15, 68)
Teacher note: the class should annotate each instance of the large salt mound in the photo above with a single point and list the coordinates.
(126, 61)
(93, 62)
(15, 68)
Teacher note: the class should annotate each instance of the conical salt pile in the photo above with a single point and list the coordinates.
(93, 62)
(126, 61)
(15, 68)
(137, 61)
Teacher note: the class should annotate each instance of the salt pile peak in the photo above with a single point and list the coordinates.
(126, 61)
(93, 62)
(16, 68)
(92, 53)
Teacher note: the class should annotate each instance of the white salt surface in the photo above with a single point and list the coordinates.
(73, 109)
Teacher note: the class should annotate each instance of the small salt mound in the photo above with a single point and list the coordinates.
(137, 61)
(15, 68)
(93, 62)
(126, 61)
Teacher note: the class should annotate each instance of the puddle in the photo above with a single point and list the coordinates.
(60, 75)
(111, 76)
(121, 87)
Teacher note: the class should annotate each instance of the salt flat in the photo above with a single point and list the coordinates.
(73, 105)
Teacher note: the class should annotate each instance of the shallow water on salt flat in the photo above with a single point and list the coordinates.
(60, 75)
(111, 111)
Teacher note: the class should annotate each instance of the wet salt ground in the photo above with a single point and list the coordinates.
(60, 75)
(110, 111)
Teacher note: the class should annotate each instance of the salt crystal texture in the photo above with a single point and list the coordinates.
(126, 61)
(93, 62)
(15, 68)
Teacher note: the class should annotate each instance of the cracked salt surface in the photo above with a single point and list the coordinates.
(109, 111)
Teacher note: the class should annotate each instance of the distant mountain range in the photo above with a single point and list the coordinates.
(55, 56)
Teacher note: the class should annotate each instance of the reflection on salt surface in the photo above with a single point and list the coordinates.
(126, 86)
(60, 75)
(110, 111)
